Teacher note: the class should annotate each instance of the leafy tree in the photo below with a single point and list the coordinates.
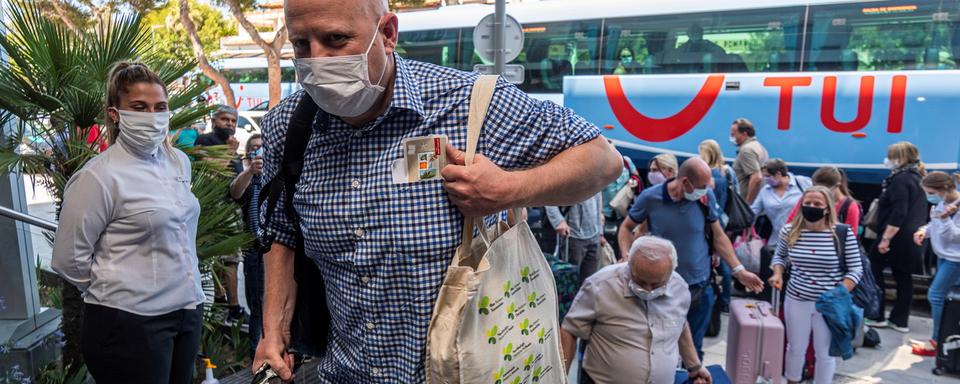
(54, 83)
(169, 36)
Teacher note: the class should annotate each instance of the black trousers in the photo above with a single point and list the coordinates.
(122, 347)
(903, 259)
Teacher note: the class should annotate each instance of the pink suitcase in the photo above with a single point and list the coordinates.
(755, 342)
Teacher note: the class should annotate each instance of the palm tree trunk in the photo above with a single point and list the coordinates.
(202, 62)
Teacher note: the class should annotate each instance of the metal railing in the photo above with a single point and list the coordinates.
(32, 220)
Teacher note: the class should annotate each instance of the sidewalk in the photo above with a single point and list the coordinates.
(892, 362)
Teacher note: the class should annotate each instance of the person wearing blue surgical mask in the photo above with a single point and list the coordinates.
(367, 233)
(943, 230)
(127, 240)
(682, 210)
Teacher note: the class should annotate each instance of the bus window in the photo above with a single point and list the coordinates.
(257, 75)
(741, 41)
(550, 52)
(432, 46)
(888, 35)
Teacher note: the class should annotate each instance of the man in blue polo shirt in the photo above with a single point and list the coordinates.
(675, 211)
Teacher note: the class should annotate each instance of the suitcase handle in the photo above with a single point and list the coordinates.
(776, 301)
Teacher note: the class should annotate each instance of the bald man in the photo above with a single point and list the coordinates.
(633, 315)
(683, 210)
(383, 248)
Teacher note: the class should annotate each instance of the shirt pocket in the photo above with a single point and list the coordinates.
(422, 220)
(669, 335)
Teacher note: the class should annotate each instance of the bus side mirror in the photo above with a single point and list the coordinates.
(248, 127)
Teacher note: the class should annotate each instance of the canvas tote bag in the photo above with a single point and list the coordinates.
(495, 319)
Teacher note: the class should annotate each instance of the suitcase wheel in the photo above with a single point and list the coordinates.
(939, 371)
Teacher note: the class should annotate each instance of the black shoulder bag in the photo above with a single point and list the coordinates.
(311, 317)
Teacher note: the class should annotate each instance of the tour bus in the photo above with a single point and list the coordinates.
(248, 79)
(825, 82)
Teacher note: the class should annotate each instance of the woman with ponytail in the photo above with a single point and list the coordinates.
(127, 241)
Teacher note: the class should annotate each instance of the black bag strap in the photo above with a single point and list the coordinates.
(291, 164)
(841, 230)
(844, 208)
(796, 180)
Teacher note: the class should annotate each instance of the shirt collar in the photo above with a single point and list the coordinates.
(406, 90)
(666, 192)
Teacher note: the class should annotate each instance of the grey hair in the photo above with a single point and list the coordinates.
(653, 248)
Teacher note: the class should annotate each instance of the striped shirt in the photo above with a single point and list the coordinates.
(814, 262)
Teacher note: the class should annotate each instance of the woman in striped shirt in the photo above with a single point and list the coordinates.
(810, 245)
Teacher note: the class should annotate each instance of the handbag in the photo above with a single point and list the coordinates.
(607, 256)
(622, 200)
(871, 222)
(496, 314)
(739, 214)
(748, 248)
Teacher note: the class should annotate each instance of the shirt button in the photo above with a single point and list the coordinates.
(365, 279)
(370, 326)
(376, 371)
(358, 134)
(355, 184)
(359, 232)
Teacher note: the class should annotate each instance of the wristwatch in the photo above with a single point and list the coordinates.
(694, 368)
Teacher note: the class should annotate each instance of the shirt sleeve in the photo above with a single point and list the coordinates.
(757, 206)
(852, 254)
(780, 255)
(521, 132)
(947, 228)
(713, 208)
(853, 216)
(638, 211)
(583, 312)
(86, 210)
(751, 161)
(554, 215)
(274, 129)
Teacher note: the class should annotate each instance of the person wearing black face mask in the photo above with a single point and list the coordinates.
(224, 127)
(810, 242)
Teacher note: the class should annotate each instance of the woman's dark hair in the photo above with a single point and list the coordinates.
(940, 181)
(776, 167)
(832, 177)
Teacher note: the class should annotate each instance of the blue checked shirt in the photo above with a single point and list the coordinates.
(383, 248)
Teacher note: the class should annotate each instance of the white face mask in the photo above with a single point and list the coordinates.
(889, 164)
(340, 85)
(695, 195)
(143, 132)
(646, 295)
(733, 140)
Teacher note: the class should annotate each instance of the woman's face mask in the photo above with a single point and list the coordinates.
(143, 132)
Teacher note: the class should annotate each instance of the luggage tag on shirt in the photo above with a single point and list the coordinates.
(423, 158)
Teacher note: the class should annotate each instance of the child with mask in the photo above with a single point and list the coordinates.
(127, 241)
(811, 245)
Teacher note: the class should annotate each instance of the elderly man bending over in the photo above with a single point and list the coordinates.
(634, 316)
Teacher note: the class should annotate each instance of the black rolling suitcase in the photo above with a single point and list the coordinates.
(948, 342)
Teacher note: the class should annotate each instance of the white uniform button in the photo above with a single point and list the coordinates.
(359, 232)
(370, 326)
(355, 184)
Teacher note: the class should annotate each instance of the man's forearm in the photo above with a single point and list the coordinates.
(688, 352)
(568, 343)
(240, 183)
(722, 246)
(280, 292)
(571, 177)
(625, 236)
(753, 188)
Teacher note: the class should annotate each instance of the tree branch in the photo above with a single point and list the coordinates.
(271, 49)
(201, 56)
(62, 14)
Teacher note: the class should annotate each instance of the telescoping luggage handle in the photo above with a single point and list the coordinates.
(776, 301)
